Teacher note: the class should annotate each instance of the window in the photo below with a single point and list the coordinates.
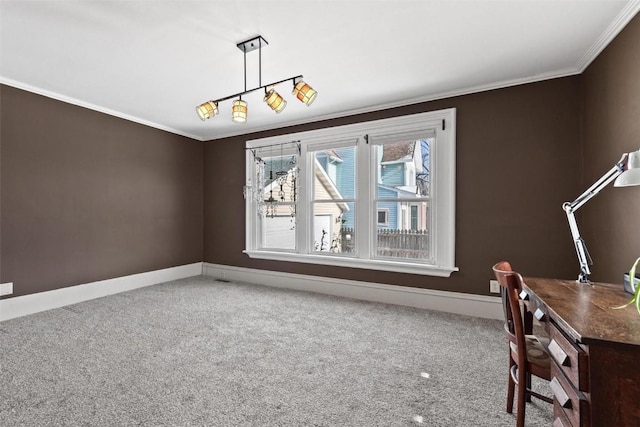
(376, 195)
(414, 217)
(383, 215)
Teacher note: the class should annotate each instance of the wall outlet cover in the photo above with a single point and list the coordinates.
(6, 288)
(494, 287)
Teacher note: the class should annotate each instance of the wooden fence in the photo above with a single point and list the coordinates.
(412, 244)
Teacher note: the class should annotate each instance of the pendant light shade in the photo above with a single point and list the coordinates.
(207, 110)
(304, 92)
(239, 111)
(275, 101)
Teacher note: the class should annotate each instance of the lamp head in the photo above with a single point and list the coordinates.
(239, 111)
(207, 110)
(631, 174)
(275, 101)
(304, 92)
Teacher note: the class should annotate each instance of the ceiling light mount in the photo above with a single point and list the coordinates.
(252, 44)
(301, 90)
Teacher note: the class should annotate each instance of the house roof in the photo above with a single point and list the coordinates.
(399, 191)
(328, 184)
(398, 151)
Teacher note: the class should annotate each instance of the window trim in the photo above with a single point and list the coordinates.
(443, 191)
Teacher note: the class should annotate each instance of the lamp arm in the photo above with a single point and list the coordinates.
(571, 207)
(584, 259)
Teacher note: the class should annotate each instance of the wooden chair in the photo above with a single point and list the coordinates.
(528, 354)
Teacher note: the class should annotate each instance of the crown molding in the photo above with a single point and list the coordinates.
(69, 100)
(626, 14)
(623, 18)
(412, 101)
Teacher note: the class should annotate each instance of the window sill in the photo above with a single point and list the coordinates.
(370, 264)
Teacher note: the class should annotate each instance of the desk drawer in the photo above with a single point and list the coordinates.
(568, 404)
(569, 359)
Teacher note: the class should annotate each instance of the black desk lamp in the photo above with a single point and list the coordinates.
(626, 173)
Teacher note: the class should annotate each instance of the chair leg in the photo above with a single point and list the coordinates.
(522, 393)
(528, 396)
(510, 388)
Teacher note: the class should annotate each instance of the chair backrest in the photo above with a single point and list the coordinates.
(510, 286)
(500, 270)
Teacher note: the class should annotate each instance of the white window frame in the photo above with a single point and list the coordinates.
(441, 124)
(386, 216)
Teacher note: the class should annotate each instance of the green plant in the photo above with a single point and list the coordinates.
(635, 300)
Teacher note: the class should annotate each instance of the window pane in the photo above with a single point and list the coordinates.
(406, 234)
(277, 177)
(334, 174)
(334, 189)
(383, 216)
(334, 227)
(402, 169)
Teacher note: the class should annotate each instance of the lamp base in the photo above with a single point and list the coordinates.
(583, 278)
(627, 285)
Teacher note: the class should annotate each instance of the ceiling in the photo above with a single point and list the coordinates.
(153, 62)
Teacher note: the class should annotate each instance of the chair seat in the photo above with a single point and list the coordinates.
(537, 350)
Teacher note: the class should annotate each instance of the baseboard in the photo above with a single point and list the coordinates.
(41, 301)
(452, 302)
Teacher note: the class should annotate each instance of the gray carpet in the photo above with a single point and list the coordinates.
(198, 352)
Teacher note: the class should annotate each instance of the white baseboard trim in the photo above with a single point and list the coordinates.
(453, 302)
(41, 301)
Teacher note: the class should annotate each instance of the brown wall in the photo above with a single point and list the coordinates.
(86, 196)
(611, 91)
(515, 167)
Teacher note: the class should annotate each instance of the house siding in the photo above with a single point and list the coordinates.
(393, 174)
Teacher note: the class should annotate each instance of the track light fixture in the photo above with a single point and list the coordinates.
(274, 100)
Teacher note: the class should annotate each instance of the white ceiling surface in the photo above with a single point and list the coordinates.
(153, 61)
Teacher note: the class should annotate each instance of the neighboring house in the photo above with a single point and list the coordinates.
(399, 215)
(339, 165)
(403, 173)
(327, 216)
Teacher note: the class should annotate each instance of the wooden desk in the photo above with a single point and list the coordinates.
(595, 351)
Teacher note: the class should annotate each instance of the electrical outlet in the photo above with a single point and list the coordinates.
(6, 289)
(494, 287)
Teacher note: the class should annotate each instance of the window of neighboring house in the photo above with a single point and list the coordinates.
(375, 195)
(414, 217)
(383, 215)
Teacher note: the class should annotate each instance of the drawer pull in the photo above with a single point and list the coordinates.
(539, 314)
(559, 394)
(558, 354)
(524, 296)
